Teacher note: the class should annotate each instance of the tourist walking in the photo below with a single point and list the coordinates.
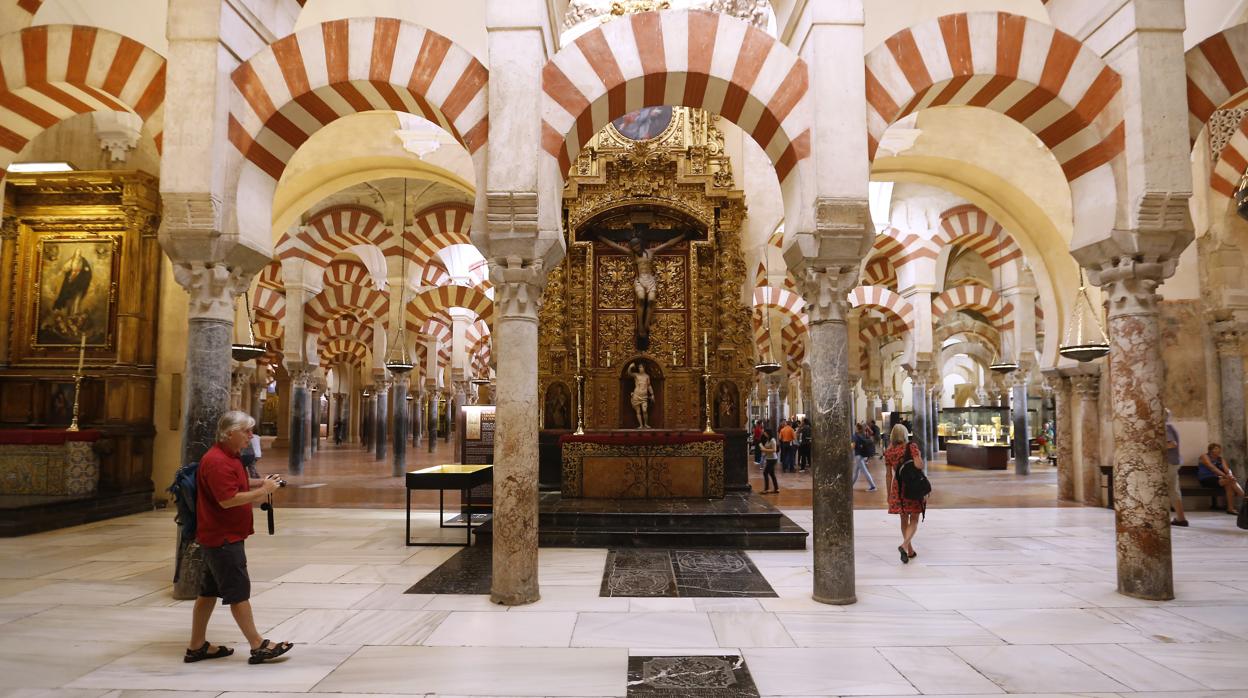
(756, 439)
(1174, 461)
(864, 451)
(1212, 472)
(803, 445)
(223, 521)
(899, 446)
(788, 438)
(770, 455)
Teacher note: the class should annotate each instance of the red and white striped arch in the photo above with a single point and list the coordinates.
(18, 14)
(367, 303)
(348, 325)
(440, 226)
(792, 332)
(435, 274)
(267, 330)
(1042, 78)
(782, 299)
(689, 58)
(347, 272)
(271, 276)
(435, 300)
(969, 227)
(901, 248)
(885, 301)
(344, 350)
(439, 327)
(332, 231)
(999, 313)
(269, 303)
(304, 81)
(50, 73)
(1216, 70)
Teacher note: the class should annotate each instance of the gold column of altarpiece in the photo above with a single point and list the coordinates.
(679, 181)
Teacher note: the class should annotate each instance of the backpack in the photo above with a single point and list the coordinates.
(184, 490)
(912, 484)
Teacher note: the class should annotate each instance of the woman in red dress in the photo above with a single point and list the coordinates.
(909, 509)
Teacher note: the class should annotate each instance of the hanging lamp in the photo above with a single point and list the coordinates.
(250, 350)
(1078, 344)
(1001, 363)
(398, 361)
(766, 364)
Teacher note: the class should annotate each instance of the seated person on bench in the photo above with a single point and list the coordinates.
(1213, 472)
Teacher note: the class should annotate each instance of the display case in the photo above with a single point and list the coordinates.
(976, 426)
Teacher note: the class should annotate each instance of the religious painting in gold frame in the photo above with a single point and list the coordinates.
(75, 290)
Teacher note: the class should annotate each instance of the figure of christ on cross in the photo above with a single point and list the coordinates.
(646, 284)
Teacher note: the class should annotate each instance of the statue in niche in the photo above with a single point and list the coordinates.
(642, 394)
(558, 407)
(646, 284)
(726, 406)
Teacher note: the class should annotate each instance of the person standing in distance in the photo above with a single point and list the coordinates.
(224, 520)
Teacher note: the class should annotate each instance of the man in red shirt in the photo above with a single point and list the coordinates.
(223, 521)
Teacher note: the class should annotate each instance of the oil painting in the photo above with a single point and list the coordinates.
(74, 286)
(643, 124)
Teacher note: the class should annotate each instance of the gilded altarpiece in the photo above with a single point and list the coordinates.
(81, 260)
(678, 183)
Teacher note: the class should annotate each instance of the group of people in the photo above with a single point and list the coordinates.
(1211, 471)
(789, 446)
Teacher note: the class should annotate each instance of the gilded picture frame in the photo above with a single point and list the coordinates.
(75, 291)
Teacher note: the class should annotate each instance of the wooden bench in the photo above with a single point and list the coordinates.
(1189, 486)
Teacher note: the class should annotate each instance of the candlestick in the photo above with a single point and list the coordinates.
(608, 358)
(82, 349)
(706, 366)
(578, 352)
(673, 358)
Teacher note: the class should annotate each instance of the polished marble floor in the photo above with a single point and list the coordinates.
(1002, 600)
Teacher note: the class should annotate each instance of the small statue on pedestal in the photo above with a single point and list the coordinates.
(642, 394)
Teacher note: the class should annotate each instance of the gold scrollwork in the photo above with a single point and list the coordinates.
(669, 272)
(615, 282)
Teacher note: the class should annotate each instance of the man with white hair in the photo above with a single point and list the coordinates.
(223, 521)
(1175, 461)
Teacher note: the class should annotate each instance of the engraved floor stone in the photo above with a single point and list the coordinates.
(690, 676)
(466, 572)
(683, 573)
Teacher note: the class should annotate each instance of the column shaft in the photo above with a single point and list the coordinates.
(298, 420)
(207, 389)
(1064, 437)
(381, 419)
(1022, 444)
(399, 393)
(1087, 392)
(1231, 370)
(831, 463)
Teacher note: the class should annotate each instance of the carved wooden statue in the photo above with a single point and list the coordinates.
(646, 284)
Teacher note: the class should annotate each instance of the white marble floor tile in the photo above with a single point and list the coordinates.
(318, 573)
(1216, 665)
(393, 596)
(800, 603)
(131, 624)
(1229, 619)
(9, 587)
(573, 598)
(464, 602)
(1036, 669)
(936, 670)
(926, 629)
(388, 627)
(819, 672)
(661, 605)
(728, 605)
(881, 598)
(1103, 595)
(1163, 625)
(26, 663)
(160, 667)
(160, 597)
(989, 596)
(9, 612)
(386, 574)
(749, 630)
(85, 593)
(300, 595)
(1130, 668)
(472, 628)
(113, 571)
(311, 625)
(1051, 626)
(1048, 574)
(643, 629)
(494, 671)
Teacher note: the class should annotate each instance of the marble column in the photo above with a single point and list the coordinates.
(299, 377)
(1141, 477)
(212, 289)
(1020, 419)
(872, 395)
(1064, 438)
(399, 395)
(381, 418)
(824, 284)
(918, 401)
(314, 418)
(238, 379)
(517, 292)
(431, 433)
(1228, 337)
(1087, 390)
(366, 418)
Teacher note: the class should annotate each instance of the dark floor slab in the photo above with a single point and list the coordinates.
(690, 677)
(467, 572)
(682, 573)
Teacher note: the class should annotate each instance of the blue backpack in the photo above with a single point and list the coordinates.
(184, 490)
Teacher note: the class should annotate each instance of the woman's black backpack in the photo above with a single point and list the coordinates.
(912, 483)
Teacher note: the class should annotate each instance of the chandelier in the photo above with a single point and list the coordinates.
(1077, 343)
(250, 350)
(398, 360)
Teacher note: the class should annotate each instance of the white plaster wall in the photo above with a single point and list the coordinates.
(74, 141)
(461, 21)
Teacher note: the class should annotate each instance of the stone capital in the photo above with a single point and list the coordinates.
(1087, 387)
(825, 290)
(1130, 286)
(300, 377)
(1228, 337)
(212, 287)
(518, 286)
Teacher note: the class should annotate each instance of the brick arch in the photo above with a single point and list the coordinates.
(52, 72)
(23, 11)
(728, 68)
(269, 303)
(437, 326)
(344, 349)
(1040, 77)
(792, 333)
(885, 301)
(367, 302)
(440, 226)
(306, 80)
(969, 227)
(271, 276)
(435, 300)
(982, 300)
(435, 274)
(332, 231)
(346, 324)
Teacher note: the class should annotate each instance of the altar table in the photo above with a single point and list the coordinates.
(49, 462)
(642, 464)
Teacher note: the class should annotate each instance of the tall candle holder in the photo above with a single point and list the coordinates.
(706, 399)
(82, 349)
(580, 404)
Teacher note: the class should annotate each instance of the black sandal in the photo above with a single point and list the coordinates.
(202, 653)
(905, 557)
(268, 650)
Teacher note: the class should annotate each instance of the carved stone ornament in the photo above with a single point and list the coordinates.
(190, 212)
(826, 292)
(517, 287)
(1087, 387)
(753, 11)
(1222, 127)
(1228, 337)
(511, 212)
(212, 289)
(1130, 286)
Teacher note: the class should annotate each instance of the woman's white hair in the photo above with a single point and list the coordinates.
(233, 421)
(898, 435)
